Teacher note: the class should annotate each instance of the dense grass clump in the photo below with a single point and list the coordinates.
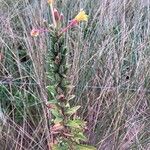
(109, 72)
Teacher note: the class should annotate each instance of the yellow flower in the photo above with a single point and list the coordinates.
(82, 16)
(50, 1)
(35, 32)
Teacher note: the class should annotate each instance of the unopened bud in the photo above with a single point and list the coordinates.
(61, 17)
(56, 14)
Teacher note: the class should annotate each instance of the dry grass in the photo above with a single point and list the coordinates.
(110, 70)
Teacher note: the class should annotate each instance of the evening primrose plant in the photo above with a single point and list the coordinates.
(67, 129)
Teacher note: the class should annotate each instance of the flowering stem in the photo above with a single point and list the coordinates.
(72, 23)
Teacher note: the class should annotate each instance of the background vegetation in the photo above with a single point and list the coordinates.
(110, 72)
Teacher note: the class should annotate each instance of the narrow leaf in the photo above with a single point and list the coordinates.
(73, 124)
(85, 147)
(79, 136)
(58, 120)
(55, 112)
(52, 90)
(72, 110)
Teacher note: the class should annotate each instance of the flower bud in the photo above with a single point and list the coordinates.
(61, 17)
(35, 32)
(56, 15)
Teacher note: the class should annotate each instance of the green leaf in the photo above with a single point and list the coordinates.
(74, 123)
(51, 89)
(58, 116)
(85, 147)
(55, 112)
(58, 120)
(67, 105)
(53, 101)
(55, 147)
(65, 49)
(80, 136)
(62, 145)
(72, 110)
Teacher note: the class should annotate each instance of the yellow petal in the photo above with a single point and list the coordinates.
(82, 16)
(50, 1)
